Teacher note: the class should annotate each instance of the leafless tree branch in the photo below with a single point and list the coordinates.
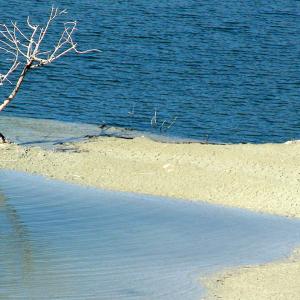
(24, 49)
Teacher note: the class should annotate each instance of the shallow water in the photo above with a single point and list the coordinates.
(229, 69)
(52, 134)
(44, 133)
(61, 241)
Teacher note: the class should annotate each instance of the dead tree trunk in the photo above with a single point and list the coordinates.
(17, 87)
(14, 93)
(25, 49)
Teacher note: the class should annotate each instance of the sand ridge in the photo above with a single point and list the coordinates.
(263, 178)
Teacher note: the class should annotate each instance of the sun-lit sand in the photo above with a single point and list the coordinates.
(263, 178)
(278, 281)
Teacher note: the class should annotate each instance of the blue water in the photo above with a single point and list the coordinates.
(228, 70)
(61, 241)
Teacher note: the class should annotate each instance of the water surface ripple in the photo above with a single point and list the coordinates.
(61, 241)
(228, 70)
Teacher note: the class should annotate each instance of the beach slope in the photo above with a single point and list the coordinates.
(274, 281)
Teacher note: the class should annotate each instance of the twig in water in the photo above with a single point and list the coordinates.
(165, 128)
(131, 113)
(154, 119)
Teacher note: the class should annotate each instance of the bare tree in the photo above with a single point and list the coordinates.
(24, 49)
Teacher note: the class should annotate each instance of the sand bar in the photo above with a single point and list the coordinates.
(263, 178)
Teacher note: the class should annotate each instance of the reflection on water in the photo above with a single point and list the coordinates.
(16, 262)
(60, 241)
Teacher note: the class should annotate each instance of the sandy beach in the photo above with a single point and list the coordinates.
(263, 178)
(277, 281)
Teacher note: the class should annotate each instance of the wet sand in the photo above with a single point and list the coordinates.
(263, 178)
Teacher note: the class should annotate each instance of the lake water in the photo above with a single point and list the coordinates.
(227, 70)
(61, 241)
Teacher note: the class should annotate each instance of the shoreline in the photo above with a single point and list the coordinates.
(258, 177)
(275, 280)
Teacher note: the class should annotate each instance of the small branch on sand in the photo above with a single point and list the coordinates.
(2, 137)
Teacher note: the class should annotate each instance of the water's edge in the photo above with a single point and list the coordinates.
(170, 203)
(48, 133)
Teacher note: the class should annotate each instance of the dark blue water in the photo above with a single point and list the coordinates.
(226, 69)
(60, 241)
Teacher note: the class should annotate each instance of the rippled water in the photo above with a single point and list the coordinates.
(60, 241)
(229, 70)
